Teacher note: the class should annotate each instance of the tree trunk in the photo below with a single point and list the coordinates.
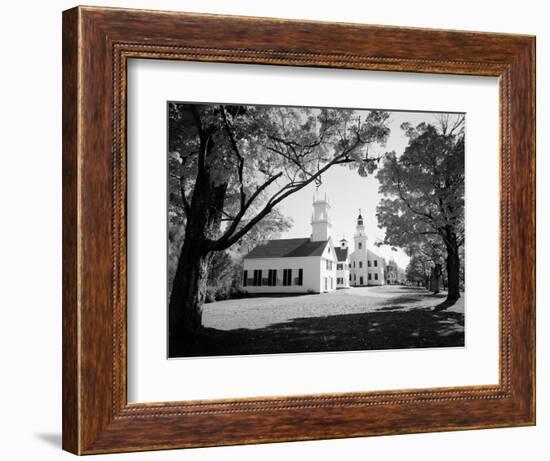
(189, 285)
(435, 279)
(453, 272)
(189, 288)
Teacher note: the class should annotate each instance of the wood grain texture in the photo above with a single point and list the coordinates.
(97, 42)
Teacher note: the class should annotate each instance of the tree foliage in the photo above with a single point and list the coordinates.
(231, 165)
(263, 154)
(419, 269)
(423, 205)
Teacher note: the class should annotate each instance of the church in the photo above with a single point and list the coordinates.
(366, 267)
(297, 265)
(313, 264)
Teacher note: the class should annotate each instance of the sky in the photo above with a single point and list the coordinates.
(347, 192)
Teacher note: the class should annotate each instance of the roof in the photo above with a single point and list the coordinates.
(288, 248)
(341, 253)
(372, 254)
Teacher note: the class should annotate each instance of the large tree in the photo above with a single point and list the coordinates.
(424, 193)
(232, 165)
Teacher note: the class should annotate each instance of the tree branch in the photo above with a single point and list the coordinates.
(238, 218)
(229, 238)
(240, 158)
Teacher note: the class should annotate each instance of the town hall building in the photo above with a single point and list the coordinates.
(297, 265)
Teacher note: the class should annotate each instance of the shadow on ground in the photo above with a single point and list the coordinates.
(51, 438)
(392, 327)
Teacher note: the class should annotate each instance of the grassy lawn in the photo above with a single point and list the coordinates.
(388, 317)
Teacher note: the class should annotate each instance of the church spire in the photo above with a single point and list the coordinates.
(320, 221)
(360, 236)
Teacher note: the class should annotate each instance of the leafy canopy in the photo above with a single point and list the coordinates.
(423, 205)
(262, 154)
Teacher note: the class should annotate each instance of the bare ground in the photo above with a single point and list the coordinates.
(387, 317)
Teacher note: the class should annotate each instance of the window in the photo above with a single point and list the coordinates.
(329, 265)
(300, 279)
(257, 277)
(368, 263)
(360, 264)
(375, 276)
(354, 264)
(360, 245)
(245, 276)
(287, 277)
(354, 277)
(339, 281)
(376, 263)
(370, 276)
(272, 278)
(339, 267)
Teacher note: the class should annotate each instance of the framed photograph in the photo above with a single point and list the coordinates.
(284, 230)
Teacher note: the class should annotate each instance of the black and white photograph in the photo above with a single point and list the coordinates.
(313, 229)
(265, 231)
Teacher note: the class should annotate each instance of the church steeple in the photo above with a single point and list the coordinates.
(360, 236)
(320, 221)
(359, 219)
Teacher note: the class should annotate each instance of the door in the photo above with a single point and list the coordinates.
(361, 280)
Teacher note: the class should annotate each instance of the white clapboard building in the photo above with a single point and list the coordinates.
(342, 264)
(297, 265)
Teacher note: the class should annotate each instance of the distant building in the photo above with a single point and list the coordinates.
(394, 274)
(367, 268)
(342, 264)
(295, 265)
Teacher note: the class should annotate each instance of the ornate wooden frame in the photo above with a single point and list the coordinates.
(97, 43)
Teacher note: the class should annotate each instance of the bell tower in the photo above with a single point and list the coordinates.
(320, 222)
(344, 243)
(360, 236)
